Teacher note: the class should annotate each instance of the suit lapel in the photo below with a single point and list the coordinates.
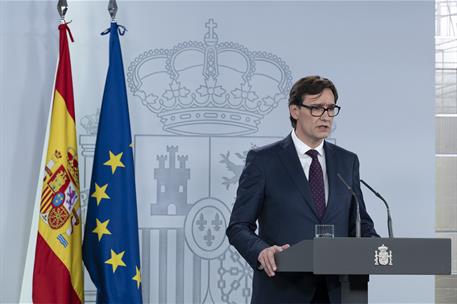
(289, 158)
(331, 164)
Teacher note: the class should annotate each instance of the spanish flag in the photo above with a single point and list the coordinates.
(58, 274)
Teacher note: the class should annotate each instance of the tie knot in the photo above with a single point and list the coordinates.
(312, 153)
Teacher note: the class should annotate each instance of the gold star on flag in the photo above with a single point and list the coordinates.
(137, 278)
(100, 193)
(116, 260)
(101, 229)
(114, 161)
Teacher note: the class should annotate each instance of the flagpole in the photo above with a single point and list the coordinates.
(57, 271)
(27, 276)
(111, 243)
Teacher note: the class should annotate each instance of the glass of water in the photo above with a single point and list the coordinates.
(324, 231)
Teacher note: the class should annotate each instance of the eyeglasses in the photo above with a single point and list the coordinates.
(319, 110)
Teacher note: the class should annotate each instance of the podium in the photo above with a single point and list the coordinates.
(354, 259)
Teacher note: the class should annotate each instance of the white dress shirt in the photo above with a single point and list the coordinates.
(305, 159)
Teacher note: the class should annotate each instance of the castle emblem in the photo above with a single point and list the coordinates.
(382, 256)
(172, 179)
(209, 87)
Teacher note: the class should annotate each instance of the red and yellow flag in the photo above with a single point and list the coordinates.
(58, 274)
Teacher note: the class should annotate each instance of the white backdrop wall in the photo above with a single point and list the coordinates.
(379, 54)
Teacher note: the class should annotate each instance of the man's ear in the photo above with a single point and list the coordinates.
(293, 110)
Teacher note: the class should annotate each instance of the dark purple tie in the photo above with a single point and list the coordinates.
(316, 183)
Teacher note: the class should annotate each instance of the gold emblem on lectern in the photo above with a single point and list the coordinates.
(382, 256)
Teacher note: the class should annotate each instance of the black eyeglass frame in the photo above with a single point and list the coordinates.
(318, 107)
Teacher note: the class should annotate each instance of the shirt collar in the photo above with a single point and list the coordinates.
(302, 148)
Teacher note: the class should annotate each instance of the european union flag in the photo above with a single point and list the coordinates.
(111, 247)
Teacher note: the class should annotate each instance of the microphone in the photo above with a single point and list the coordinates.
(389, 218)
(357, 219)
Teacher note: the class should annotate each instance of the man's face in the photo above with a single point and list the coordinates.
(310, 129)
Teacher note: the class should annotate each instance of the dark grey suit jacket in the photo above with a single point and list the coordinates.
(274, 191)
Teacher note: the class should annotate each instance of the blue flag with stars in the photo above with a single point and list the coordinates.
(111, 247)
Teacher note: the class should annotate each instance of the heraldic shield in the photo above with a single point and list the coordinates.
(183, 215)
(60, 194)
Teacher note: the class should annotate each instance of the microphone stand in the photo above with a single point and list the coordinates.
(389, 218)
(357, 219)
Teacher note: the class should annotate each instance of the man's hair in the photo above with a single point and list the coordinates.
(309, 85)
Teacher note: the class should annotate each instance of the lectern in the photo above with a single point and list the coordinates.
(354, 259)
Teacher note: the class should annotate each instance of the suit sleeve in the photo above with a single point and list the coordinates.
(367, 225)
(248, 204)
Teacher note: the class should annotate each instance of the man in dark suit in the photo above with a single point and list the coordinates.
(289, 187)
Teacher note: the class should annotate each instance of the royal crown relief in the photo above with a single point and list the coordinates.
(195, 85)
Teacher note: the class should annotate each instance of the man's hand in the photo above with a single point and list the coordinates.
(267, 259)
